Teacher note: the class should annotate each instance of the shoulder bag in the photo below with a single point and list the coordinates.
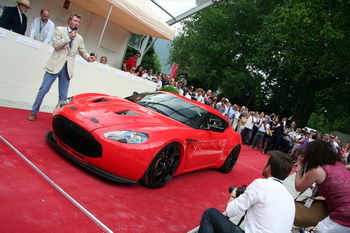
(309, 216)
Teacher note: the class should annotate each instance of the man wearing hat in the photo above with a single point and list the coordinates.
(14, 19)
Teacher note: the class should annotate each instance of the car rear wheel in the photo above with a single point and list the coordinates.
(230, 160)
(162, 167)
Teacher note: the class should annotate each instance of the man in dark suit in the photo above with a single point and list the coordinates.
(14, 19)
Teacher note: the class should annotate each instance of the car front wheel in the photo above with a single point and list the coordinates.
(230, 160)
(162, 167)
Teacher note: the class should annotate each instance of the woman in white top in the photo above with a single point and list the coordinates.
(200, 93)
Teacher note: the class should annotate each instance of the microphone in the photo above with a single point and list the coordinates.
(71, 40)
(74, 29)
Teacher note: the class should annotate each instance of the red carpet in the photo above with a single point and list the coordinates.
(29, 203)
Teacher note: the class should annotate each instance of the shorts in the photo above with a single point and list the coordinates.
(328, 225)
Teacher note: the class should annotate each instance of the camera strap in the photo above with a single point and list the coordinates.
(242, 218)
(278, 180)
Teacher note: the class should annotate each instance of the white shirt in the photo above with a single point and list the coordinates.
(249, 124)
(20, 15)
(291, 135)
(237, 114)
(200, 99)
(188, 96)
(147, 76)
(159, 85)
(262, 126)
(270, 207)
(42, 31)
(181, 91)
(257, 121)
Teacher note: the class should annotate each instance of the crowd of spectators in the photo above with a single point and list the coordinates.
(268, 132)
(148, 73)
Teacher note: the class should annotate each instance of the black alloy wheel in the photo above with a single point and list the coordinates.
(163, 167)
(230, 160)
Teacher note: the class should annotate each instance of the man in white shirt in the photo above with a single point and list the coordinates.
(270, 207)
(42, 28)
(149, 74)
(248, 128)
(199, 95)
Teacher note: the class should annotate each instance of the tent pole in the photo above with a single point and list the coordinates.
(104, 27)
(143, 49)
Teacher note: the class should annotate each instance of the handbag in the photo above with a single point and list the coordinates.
(268, 132)
(306, 217)
(309, 216)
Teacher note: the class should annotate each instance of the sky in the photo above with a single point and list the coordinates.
(174, 7)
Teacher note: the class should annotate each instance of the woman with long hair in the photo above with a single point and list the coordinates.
(138, 71)
(323, 166)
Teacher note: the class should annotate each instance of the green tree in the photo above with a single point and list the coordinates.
(290, 57)
(216, 45)
(305, 53)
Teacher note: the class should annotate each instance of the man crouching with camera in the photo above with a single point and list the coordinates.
(269, 206)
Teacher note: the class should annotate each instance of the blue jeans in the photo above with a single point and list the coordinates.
(258, 138)
(49, 79)
(215, 222)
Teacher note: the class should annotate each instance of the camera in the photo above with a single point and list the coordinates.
(239, 190)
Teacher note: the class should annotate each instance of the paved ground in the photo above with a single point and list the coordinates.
(23, 105)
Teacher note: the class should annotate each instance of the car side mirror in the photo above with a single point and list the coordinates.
(214, 124)
(216, 128)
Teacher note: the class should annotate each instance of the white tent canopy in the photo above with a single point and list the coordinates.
(133, 15)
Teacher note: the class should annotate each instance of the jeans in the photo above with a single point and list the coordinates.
(215, 222)
(49, 79)
(255, 130)
(273, 143)
(246, 134)
(258, 138)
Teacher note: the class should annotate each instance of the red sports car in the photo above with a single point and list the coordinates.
(147, 137)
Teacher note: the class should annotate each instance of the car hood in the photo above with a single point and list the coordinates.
(94, 112)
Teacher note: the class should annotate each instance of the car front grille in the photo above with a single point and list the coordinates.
(76, 137)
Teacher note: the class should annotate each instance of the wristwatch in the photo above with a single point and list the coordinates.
(298, 170)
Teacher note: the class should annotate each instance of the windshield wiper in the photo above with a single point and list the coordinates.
(158, 110)
(167, 106)
(152, 107)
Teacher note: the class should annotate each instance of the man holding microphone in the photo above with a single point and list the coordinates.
(67, 43)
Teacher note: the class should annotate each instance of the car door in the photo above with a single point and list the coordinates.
(205, 146)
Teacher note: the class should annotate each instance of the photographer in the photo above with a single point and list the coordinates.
(269, 206)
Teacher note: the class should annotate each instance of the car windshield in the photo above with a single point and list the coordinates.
(171, 106)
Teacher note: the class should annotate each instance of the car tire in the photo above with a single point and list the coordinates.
(162, 167)
(230, 160)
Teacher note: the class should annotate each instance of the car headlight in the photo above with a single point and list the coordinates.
(64, 102)
(130, 137)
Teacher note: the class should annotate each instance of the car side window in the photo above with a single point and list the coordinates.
(214, 123)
